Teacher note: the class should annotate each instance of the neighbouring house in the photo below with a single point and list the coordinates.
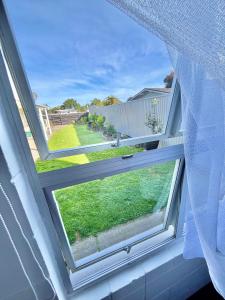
(66, 111)
(147, 93)
(42, 111)
(44, 119)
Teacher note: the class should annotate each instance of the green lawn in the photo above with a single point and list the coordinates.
(70, 136)
(66, 137)
(90, 208)
(93, 207)
(88, 137)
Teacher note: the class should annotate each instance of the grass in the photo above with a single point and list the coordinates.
(93, 207)
(88, 137)
(70, 136)
(66, 137)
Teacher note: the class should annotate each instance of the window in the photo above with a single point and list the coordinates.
(111, 206)
(110, 212)
(150, 108)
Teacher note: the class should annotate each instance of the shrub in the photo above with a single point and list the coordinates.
(100, 121)
(153, 123)
(83, 120)
(92, 118)
(109, 130)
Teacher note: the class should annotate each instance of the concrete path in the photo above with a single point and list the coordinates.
(115, 235)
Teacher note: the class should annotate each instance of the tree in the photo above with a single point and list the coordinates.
(53, 110)
(70, 103)
(168, 80)
(83, 108)
(111, 100)
(96, 102)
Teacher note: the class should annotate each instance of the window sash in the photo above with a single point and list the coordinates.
(62, 178)
(10, 110)
(17, 72)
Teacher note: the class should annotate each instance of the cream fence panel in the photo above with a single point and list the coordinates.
(130, 117)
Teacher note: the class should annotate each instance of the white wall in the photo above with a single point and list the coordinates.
(13, 282)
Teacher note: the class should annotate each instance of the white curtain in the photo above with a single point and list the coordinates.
(194, 31)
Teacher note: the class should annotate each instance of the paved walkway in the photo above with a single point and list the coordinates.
(115, 235)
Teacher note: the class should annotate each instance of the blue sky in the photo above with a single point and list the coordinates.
(85, 49)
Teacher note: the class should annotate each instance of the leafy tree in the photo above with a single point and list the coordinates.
(168, 80)
(111, 100)
(83, 108)
(97, 102)
(70, 103)
(54, 109)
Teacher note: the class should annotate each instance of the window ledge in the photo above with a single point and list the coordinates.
(118, 280)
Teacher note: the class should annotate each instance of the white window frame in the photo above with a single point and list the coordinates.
(16, 69)
(62, 178)
(66, 177)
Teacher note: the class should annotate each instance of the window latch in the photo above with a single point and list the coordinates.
(127, 156)
(127, 249)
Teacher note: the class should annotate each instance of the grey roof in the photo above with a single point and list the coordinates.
(149, 90)
(42, 105)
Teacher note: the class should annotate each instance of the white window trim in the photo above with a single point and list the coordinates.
(22, 86)
(12, 118)
(13, 140)
(66, 177)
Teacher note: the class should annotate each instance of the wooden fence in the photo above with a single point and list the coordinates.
(65, 118)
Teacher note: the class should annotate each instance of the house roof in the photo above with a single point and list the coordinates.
(149, 90)
(42, 106)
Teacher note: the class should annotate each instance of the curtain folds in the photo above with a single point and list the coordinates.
(194, 31)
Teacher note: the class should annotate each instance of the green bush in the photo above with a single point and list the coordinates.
(100, 121)
(109, 130)
(92, 118)
(82, 121)
(96, 122)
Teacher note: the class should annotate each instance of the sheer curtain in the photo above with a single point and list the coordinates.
(194, 31)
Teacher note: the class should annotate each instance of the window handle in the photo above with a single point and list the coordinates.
(127, 156)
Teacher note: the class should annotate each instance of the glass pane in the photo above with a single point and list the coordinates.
(80, 159)
(102, 213)
(91, 80)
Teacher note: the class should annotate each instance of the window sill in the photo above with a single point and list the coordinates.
(118, 280)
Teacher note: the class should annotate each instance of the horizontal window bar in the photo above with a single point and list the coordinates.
(73, 175)
(106, 145)
(149, 246)
(122, 246)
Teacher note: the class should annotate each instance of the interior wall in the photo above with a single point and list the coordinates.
(18, 265)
